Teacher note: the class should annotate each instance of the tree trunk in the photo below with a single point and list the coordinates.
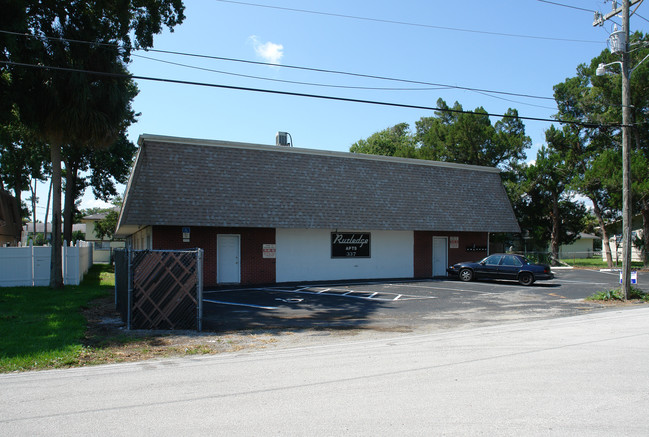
(70, 196)
(56, 264)
(47, 211)
(605, 244)
(555, 229)
(33, 190)
(18, 192)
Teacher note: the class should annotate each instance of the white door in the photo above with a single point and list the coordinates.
(440, 256)
(227, 259)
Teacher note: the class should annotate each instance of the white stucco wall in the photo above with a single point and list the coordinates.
(305, 255)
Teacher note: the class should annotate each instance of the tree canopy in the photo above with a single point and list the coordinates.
(469, 137)
(595, 151)
(47, 76)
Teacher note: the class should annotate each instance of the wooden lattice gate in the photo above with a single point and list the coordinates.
(165, 289)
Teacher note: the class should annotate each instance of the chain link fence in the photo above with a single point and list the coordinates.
(159, 289)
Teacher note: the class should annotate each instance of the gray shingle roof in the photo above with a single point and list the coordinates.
(187, 182)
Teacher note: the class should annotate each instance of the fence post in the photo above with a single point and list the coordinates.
(129, 273)
(31, 246)
(64, 253)
(199, 287)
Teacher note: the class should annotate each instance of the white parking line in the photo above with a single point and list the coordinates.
(580, 282)
(231, 289)
(445, 288)
(239, 304)
(362, 294)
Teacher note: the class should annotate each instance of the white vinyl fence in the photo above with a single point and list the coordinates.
(30, 266)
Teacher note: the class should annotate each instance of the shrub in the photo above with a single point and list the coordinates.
(618, 294)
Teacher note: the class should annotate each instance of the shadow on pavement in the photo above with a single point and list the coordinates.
(236, 310)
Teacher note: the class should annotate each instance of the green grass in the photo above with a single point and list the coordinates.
(596, 263)
(44, 328)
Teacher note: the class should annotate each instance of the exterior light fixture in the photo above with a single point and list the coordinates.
(601, 68)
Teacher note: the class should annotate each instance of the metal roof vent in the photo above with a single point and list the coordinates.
(281, 139)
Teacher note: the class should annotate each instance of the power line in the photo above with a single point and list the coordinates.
(484, 93)
(194, 67)
(295, 94)
(346, 73)
(300, 68)
(404, 23)
(640, 16)
(367, 76)
(567, 6)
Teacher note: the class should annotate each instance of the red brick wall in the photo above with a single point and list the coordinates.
(258, 270)
(424, 249)
(255, 269)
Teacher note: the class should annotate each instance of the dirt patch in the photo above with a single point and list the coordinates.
(108, 341)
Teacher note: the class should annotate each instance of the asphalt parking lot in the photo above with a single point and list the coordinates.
(405, 306)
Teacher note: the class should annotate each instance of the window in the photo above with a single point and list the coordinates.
(512, 261)
(492, 260)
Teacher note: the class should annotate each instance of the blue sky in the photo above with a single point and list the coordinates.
(460, 44)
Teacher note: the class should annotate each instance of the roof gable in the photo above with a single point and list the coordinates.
(186, 182)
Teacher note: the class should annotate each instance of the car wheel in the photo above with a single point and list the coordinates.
(525, 278)
(466, 275)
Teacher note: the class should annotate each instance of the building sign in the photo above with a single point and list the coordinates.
(455, 242)
(269, 250)
(186, 235)
(475, 248)
(350, 245)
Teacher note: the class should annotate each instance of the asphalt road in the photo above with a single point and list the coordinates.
(406, 306)
(577, 376)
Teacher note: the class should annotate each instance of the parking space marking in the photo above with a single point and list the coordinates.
(445, 288)
(219, 302)
(557, 295)
(229, 290)
(580, 282)
(355, 294)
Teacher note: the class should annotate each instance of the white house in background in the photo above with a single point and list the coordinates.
(102, 249)
(583, 247)
(28, 231)
(615, 239)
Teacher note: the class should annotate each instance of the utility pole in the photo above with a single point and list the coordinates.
(626, 156)
(626, 136)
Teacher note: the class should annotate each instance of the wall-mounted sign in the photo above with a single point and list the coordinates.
(269, 250)
(186, 235)
(475, 248)
(350, 245)
(454, 242)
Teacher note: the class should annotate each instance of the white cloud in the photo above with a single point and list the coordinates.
(268, 51)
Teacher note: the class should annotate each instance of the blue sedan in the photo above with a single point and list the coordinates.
(501, 266)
